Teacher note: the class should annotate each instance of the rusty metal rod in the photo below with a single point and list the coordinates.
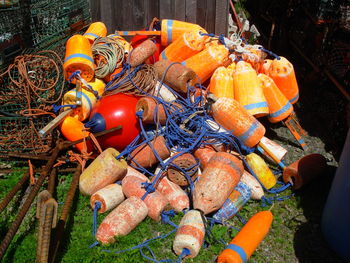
(13, 192)
(23, 211)
(39, 170)
(65, 213)
(29, 156)
(52, 181)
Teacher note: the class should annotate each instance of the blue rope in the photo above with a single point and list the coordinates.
(270, 53)
(75, 74)
(56, 108)
(94, 220)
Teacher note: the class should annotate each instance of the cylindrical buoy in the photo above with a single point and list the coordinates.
(173, 29)
(177, 197)
(253, 184)
(261, 170)
(220, 176)
(232, 67)
(104, 170)
(204, 154)
(132, 185)
(282, 73)
(163, 92)
(248, 91)
(177, 75)
(248, 239)
(144, 156)
(236, 200)
(233, 117)
(305, 170)
(254, 57)
(152, 111)
(187, 45)
(273, 147)
(186, 162)
(205, 62)
(279, 106)
(95, 30)
(109, 196)
(88, 99)
(264, 69)
(122, 220)
(142, 52)
(78, 58)
(190, 234)
(72, 129)
(221, 83)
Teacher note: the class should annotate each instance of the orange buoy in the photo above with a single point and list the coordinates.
(95, 30)
(177, 197)
(190, 234)
(132, 185)
(152, 111)
(248, 91)
(264, 69)
(104, 170)
(110, 76)
(253, 184)
(144, 156)
(122, 220)
(261, 170)
(232, 67)
(173, 29)
(255, 57)
(142, 52)
(279, 106)
(72, 129)
(177, 75)
(205, 62)
(186, 162)
(109, 196)
(221, 83)
(233, 117)
(248, 239)
(277, 150)
(220, 176)
(127, 46)
(187, 45)
(204, 154)
(88, 98)
(78, 58)
(282, 73)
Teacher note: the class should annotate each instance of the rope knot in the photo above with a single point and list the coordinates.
(149, 187)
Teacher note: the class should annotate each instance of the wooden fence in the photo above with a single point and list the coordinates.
(137, 14)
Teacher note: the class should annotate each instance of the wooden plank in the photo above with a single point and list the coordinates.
(201, 12)
(153, 9)
(221, 17)
(118, 21)
(167, 9)
(95, 8)
(180, 10)
(191, 11)
(126, 12)
(107, 15)
(209, 24)
(139, 15)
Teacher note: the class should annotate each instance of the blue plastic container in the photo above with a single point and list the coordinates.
(336, 214)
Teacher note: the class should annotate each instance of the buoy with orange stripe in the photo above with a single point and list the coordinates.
(88, 98)
(272, 147)
(204, 154)
(187, 45)
(248, 91)
(236, 200)
(173, 29)
(264, 69)
(177, 197)
(261, 170)
(185, 162)
(78, 58)
(248, 239)
(190, 234)
(104, 170)
(279, 106)
(95, 30)
(205, 62)
(142, 52)
(253, 184)
(72, 129)
(282, 73)
(233, 117)
(122, 220)
(109, 197)
(133, 185)
(221, 83)
(220, 176)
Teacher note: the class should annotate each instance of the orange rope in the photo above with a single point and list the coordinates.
(31, 173)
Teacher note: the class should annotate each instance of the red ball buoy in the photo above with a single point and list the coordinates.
(110, 112)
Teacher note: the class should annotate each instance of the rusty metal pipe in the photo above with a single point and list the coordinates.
(13, 192)
(23, 211)
(52, 181)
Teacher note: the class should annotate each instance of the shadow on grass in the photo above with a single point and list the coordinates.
(309, 244)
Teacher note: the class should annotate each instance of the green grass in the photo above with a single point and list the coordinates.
(279, 246)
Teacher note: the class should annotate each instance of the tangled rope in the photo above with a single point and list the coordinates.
(108, 54)
(137, 81)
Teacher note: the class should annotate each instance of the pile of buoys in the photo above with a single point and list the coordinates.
(181, 141)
